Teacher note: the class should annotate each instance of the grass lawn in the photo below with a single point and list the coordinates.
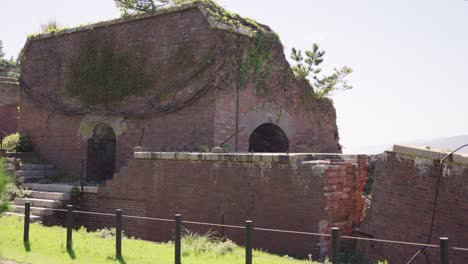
(47, 246)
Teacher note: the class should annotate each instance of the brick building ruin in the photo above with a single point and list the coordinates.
(189, 77)
(185, 79)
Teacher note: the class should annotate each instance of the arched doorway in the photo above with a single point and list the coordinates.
(101, 154)
(268, 138)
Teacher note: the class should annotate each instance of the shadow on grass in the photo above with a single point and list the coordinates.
(121, 260)
(27, 246)
(71, 253)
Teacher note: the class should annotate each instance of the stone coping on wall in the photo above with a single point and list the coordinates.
(251, 157)
(433, 154)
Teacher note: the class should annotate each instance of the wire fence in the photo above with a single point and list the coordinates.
(248, 228)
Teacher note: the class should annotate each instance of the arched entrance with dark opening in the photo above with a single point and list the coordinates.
(268, 138)
(101, 154)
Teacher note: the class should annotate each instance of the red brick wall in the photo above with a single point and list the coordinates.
(290, 195)
(401, 209)
(9, 119)
(8, 105)
(56, 136)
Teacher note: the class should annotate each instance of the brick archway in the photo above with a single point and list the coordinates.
(101, 153)
(268, 138)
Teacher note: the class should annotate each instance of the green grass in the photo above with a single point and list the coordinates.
(5, 181)
(47, 245)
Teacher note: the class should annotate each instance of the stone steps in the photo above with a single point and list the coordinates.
(35, 173)
(27, 169)
(36, 167)
(36, 202)
(62, 196)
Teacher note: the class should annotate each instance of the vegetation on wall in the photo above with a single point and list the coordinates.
(99, 75)
(307, 69)
(258, 59)
(131, 7)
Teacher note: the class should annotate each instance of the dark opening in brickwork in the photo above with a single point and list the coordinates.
(101, 154)
(268, 138)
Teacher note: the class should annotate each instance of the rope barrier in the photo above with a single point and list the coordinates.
(263, 229)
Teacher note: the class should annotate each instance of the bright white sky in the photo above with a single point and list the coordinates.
(410, 58)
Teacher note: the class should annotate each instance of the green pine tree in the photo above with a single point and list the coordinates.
(307, 69)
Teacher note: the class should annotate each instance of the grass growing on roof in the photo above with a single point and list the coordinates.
(47, 245)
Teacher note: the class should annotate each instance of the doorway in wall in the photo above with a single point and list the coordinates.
(268, 138)
(101, 154)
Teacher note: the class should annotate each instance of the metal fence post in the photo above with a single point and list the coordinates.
(27, 213)
(69, 226)
(248, 242)
(222, 225)
(335, 245)
(118, 233)
(444, 250)
(177, 242)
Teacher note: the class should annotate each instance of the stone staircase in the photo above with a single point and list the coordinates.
(29, 169)
(43, 198)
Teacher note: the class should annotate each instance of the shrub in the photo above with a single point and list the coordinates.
(5, 182)
(108, 233)
(75, 197)
(196, 244)
(16, 141)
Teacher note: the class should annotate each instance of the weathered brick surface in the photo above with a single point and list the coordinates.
(9, 119)
(402, 202)
(207, 120)
(8, 106)
(300, 196)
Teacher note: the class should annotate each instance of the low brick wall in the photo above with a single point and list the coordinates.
(402, 201)
(304, 192)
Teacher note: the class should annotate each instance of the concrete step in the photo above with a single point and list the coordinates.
(59, 196)
(35, 202)
(35, 173)
(29, 179)
(21, 155)
(32, 218)
(36, 167)
(56, 187)
(40, 211)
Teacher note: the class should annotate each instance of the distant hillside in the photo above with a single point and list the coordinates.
(450, 143)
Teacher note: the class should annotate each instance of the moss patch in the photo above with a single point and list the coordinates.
(100, 75)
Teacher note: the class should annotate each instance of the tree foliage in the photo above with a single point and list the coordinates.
(307, 68)
(128, 7)
(8, 67)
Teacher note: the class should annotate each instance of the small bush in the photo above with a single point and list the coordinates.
(17, 142)
(75, 197)
(196, 244)
(107, 233)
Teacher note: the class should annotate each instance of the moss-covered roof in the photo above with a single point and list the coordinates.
(217, 17)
